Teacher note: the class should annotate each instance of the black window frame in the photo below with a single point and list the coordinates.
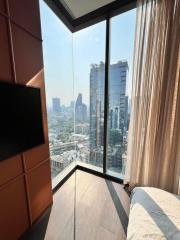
(102, 14)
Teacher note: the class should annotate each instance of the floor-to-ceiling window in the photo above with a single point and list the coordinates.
(89, 71)
(75, 73)
(57, 51)
(122, 30)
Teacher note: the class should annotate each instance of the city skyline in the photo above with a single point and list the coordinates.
(68, 57)
(74, 81)
(75, 97)
(82, 132)
(70, 103)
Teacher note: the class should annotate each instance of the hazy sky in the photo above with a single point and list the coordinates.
(62, 50)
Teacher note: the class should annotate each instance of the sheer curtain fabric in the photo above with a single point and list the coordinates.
(154, 132)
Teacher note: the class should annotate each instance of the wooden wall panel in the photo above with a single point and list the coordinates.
(36, 155)
(5, 54)
(40, 153)
(10, 168)
(29, 16)
(25, 179)
(13, 210)
(2, 6)
(40, 190)
(30, 72)
(27, 55)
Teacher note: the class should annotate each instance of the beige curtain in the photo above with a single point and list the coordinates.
(154, 133)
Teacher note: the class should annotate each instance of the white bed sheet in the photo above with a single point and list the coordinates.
(154, 215)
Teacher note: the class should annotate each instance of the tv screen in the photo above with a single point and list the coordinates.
(21, 126)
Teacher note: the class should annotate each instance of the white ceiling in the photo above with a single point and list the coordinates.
(78, 8)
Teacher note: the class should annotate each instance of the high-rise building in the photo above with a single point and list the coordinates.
(56, 105)
(96, 112)
(80, 110)
(118, 103)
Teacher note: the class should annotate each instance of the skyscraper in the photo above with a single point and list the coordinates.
(56, 106)
(96, 112)
(118, 101)
(118, 104)
(80, 110)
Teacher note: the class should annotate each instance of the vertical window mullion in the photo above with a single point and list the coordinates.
(106, 94)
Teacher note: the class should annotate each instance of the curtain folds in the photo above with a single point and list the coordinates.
(153, 157)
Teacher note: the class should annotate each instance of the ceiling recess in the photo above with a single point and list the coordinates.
(79, 8)
(78, 14)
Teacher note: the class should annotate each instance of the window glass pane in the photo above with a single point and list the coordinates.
(120, 81)
(89, 55)
(57, 51)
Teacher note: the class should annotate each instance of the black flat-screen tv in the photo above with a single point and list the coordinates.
(21, 123)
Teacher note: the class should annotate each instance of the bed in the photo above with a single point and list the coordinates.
(154, 215)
